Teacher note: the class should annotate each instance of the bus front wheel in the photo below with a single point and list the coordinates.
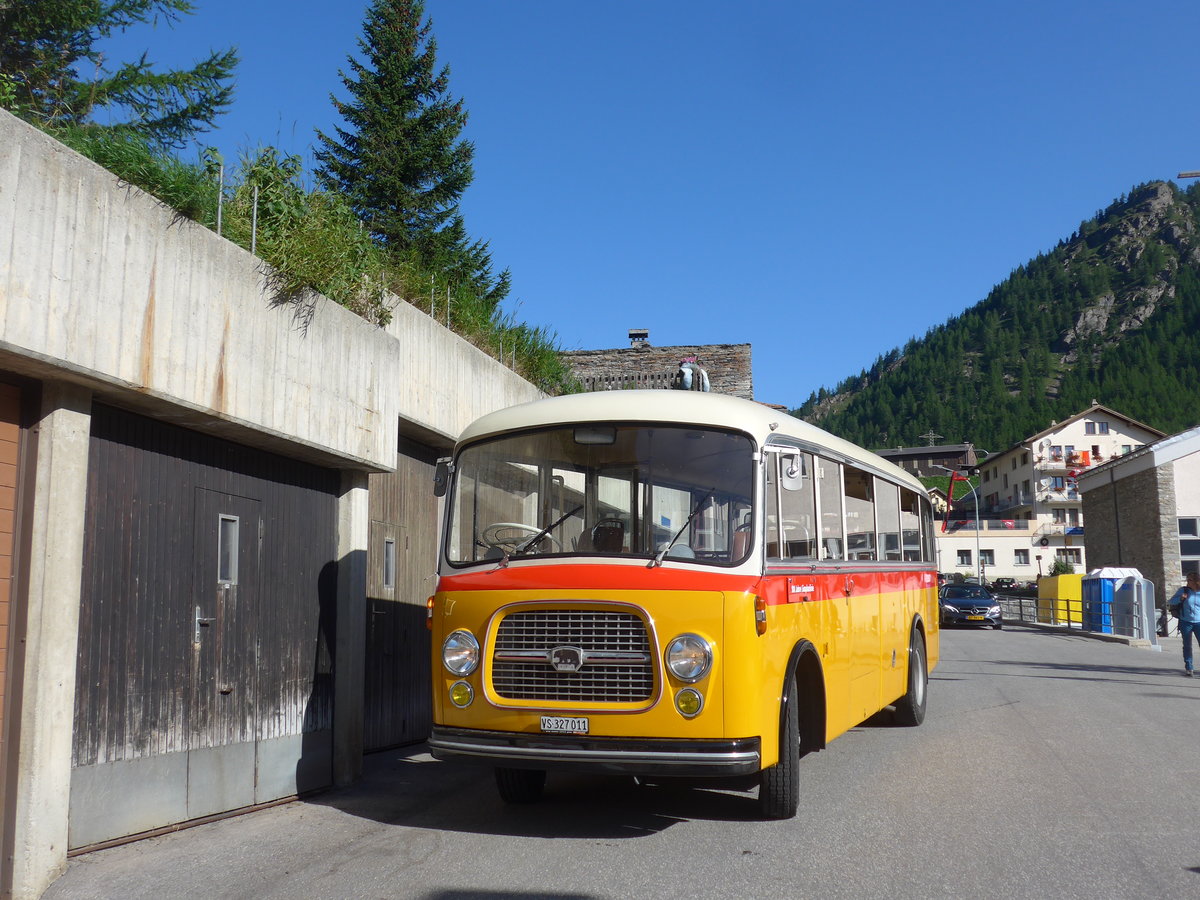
(520, 785)
(910, 709)
(779, 786)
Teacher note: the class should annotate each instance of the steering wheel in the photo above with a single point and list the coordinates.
(509, 536)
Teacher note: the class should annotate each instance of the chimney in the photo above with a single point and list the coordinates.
(639, 337)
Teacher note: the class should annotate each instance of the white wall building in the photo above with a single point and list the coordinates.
(1030, 512)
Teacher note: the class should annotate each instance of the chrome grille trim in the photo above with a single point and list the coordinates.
(618, 666)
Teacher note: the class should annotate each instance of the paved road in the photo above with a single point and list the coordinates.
(1050, 765)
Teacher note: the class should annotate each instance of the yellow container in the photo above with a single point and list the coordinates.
(1060, 600)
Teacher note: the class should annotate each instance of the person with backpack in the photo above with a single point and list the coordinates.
(1185, 605)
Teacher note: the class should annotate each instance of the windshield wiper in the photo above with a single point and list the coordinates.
(525, 545)
(658, 558)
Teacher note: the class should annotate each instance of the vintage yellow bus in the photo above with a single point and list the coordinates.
(672, 583)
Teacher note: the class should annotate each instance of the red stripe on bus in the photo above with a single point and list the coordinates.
(597, 577)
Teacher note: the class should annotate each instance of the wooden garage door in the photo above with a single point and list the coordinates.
(10, 433)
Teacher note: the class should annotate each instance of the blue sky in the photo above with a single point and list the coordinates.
(820, 180)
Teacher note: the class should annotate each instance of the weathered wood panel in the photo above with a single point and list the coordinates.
(397, 707)
(10, 467)
(263, 667)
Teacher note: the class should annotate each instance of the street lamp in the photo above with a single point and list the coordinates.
(975, 491)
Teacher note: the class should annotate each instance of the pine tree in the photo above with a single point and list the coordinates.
(51, 73)
(401, 159)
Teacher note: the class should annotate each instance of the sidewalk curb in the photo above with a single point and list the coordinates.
(1140, 643)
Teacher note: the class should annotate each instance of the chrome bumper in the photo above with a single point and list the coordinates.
(581, 753)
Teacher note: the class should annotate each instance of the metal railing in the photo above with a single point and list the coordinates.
(1129, 620)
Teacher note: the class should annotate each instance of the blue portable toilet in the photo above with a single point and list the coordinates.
(1121, 601)
(1097, 601)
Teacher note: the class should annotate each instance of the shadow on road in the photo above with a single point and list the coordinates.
(408, 787)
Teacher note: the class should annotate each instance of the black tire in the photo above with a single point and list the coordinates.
(998, 626)
(910, 709)
(520, 785)
(779, 786)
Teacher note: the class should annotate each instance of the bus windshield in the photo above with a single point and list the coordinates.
(658, 491)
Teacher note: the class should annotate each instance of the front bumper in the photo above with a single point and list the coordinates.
(581, 753)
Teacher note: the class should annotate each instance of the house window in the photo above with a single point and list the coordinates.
(1101, 428)
(1057, 483)
(1056, 452)
(1189, 544)
(1125, 448)
(1024, 459)
(227, 549)
(1096, 454)
(1070, 452)
(389, 563)
(1006, 479)
(1089, 427)
(986, 475)
(1021, 557)
(1072, 555)
(1014, 462)
(987, 557)
(1060, 516)
(964, 557)
(1025, 487)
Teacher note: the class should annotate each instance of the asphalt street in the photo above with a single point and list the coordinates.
(1049, 765)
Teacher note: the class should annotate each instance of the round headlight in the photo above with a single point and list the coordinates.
(689, 657)
(460, 652)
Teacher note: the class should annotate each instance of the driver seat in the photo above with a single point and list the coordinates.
(608, 536)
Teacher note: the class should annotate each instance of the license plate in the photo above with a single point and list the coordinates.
(564, 725)
(976, 618)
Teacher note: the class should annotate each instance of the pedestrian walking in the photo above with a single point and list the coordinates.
(1185, 604)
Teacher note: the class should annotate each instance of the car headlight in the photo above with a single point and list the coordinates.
(689, 657)
(994, 611)
(460, 652)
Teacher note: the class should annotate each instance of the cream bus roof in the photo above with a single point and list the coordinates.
(681, 407)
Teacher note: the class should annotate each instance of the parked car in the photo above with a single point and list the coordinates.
(969, 604)
(1004, 584)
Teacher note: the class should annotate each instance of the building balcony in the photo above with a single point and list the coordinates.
(956, 525)
(1067, 495)
(1058, 530)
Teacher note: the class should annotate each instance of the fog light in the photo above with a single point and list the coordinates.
(689, 702)
(461, 694)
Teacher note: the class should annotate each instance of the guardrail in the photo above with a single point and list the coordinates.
(1082, 615)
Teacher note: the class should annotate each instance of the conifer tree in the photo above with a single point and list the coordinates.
(52, 74)
(400, 158)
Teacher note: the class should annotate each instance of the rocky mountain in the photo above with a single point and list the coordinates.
(1111, 315)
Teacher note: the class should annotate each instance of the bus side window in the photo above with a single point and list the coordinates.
(798, 506)
(887, 514)
(860, 513)
(771, 528)
(910, 525)
(829, 494)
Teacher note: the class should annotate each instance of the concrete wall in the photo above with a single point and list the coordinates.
(103, 285)
(105, 293)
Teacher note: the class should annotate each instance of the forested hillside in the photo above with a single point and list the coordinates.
(1112, 314)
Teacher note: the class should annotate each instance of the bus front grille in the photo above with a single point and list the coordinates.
(573, 655)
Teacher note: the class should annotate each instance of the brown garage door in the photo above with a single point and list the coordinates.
(10, 434)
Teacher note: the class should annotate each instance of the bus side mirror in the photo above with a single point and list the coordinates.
(441, 477)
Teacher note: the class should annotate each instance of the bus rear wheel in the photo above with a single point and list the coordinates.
(520, 785)
(779, 786)
(910, 709)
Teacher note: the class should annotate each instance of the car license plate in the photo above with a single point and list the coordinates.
(976, 618)
(564, 725)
